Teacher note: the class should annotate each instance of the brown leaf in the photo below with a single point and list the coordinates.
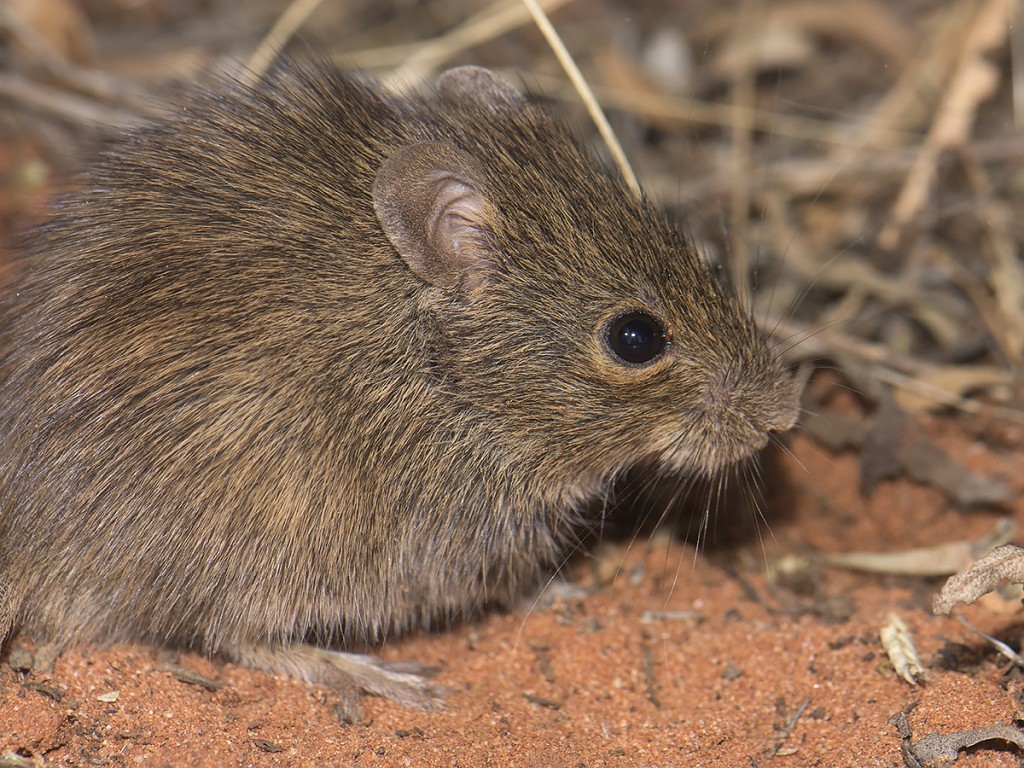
(938, 750)
(880, 451)
(926, 463)
(1005, 563)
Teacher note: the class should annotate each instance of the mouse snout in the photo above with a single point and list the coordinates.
(736, 415)
(752, 388)
(784, 416)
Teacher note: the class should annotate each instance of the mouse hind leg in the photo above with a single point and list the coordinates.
(349, 675)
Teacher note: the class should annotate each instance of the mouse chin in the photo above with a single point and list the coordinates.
(709, 456)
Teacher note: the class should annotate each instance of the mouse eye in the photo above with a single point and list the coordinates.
(635, 337)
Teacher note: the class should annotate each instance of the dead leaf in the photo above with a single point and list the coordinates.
(1005, 563)
(941, 560)
(880, 450)
(833, 430)
(926, 463)
(938, 750)
(923, 561)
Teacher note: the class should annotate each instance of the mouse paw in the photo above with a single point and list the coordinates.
(39, 662)
(350, 675)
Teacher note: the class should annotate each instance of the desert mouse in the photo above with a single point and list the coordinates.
(308, 363)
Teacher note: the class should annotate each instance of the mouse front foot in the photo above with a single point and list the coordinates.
(349, 675)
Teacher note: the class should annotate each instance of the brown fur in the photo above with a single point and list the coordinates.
(246, 401)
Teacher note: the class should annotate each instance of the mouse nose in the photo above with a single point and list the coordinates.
(783, 416)
(747, 408)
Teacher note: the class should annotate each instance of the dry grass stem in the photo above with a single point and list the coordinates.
(411, 61)
(287, 24)
(741, 131)
(87, 82)
(59, 104)
(1006, 275)
(674, 112)
(586, 94)
(973, 80)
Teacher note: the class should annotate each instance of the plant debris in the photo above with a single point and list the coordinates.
(1005, 563)
(541, 701)
(899, 647)
(926, 463)
(11, 760)
(940, 560)
(890, 446)
(265, 746)
(56, 691)
(942, 750)
(194, 678)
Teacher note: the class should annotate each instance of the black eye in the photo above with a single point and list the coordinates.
(636, 337)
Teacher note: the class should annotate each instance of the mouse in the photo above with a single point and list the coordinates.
(308, 363)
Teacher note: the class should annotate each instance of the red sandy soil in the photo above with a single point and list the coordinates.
(592, 681)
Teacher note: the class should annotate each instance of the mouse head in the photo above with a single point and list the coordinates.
(569, 309)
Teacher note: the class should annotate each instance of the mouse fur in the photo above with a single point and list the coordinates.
(308, 363)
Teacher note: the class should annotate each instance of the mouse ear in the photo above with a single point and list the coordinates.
(429, 199)
(476, 86)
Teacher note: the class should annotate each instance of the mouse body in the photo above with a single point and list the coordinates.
(307, 363)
